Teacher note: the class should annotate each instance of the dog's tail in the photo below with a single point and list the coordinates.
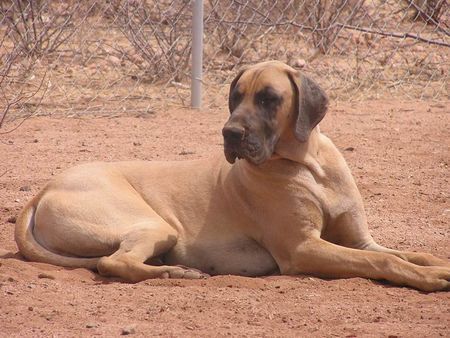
(34, 251)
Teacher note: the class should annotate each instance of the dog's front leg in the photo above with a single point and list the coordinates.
(318, 257)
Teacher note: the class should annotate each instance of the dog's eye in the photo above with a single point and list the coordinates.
(234, 100)
(267, 100)
(237, 96)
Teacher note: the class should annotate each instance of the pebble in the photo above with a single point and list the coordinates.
(128, 330)
(6, 254)
(114, 60)
(299, 63)
(45, 275)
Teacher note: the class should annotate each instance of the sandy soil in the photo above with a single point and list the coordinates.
(399, 154)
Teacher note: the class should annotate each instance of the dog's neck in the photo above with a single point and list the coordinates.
(305, 153)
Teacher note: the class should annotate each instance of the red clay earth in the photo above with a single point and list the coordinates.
(399, 155)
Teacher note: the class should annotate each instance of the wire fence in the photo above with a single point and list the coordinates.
(131, 56)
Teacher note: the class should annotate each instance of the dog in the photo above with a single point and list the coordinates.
(281, 201)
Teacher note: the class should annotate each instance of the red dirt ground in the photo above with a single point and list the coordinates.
(400, 161)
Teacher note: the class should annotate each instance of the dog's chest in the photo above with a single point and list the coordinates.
(222, 256)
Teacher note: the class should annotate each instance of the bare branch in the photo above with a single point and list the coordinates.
(32, 33)
(345, 26)
(396, 35)
(429, 18)
(20, 98)
(5, 172)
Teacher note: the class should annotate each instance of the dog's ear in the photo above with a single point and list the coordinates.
(231, 106)
(310, 106)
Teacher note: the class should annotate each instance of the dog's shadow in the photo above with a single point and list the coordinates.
(103, 280)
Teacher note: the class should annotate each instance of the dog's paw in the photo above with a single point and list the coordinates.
(183, 272)
(434, 279)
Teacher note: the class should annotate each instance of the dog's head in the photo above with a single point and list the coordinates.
(266, 100)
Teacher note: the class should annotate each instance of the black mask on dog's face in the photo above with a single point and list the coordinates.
(263, 101)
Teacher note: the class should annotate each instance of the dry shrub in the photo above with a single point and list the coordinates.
(160, 33)
(37, 27)
(327, 17)
(429, 11)
(235, 24)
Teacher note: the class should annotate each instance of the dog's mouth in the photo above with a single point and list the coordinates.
(250, 150)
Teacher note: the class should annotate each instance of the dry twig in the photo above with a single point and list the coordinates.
(20, 98)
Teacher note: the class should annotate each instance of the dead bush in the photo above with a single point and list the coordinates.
(327, 18)
(38, 26)
(160, 32)
(18, 92)
(429, 11)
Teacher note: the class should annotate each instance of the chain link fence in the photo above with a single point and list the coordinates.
(130, 56)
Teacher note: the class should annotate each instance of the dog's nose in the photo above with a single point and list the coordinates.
(233, 134)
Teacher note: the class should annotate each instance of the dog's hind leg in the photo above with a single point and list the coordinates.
(139, 245)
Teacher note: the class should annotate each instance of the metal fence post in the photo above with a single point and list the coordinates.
(197, 53)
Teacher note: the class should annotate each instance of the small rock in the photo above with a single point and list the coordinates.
(35, 140)
(237, 50)
(377, 319)
(186, 152)
(12, 219)
(30, 308)
(114, 60)
(6, 254)
(128, 330)
(25, 188)
(299, 63)
(46, 275)
(349, 149)
(91, 325)
(137, 143)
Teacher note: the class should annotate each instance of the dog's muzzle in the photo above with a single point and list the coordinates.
(233, 137)
(241, 143)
